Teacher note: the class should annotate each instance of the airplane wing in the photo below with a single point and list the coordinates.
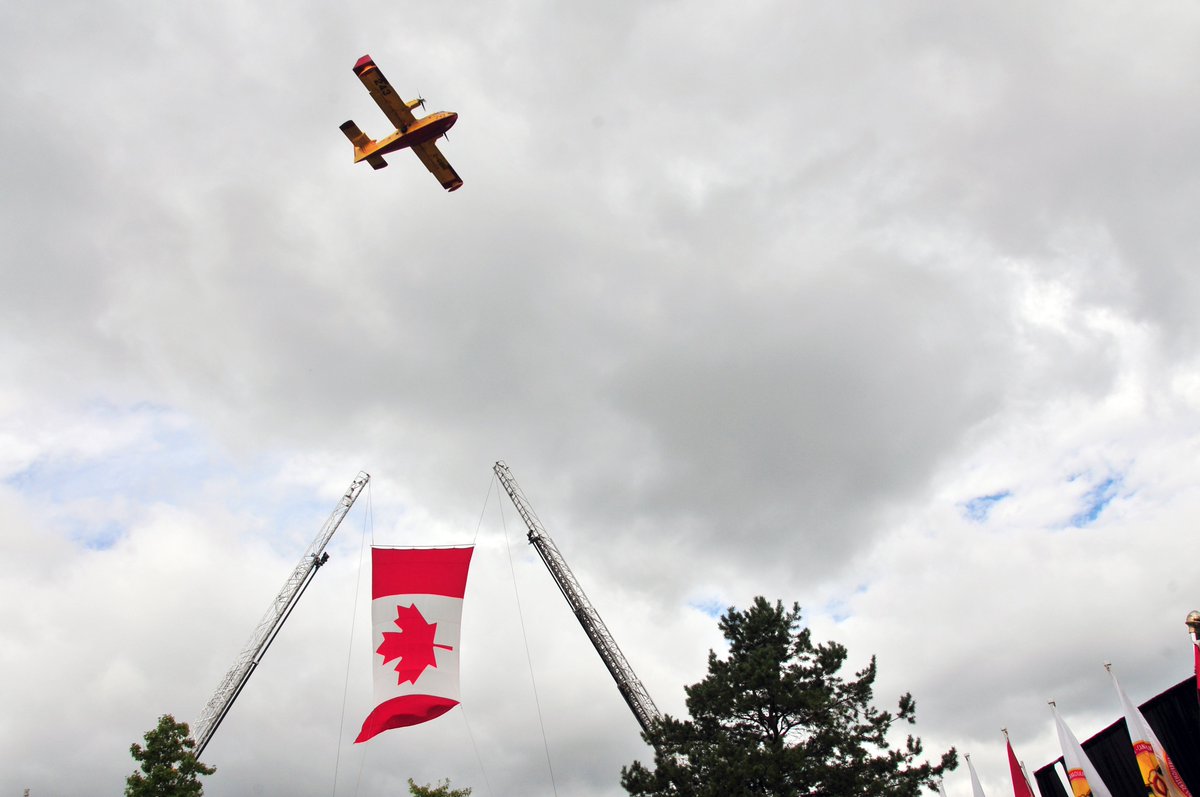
(396, 110)
(432, 157)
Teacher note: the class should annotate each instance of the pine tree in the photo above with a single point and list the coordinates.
(440, 790)
(774, 717)
(169, 767)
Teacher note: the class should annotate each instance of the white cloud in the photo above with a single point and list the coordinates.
(753, 301)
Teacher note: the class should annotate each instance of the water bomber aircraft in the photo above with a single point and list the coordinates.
(418, 134)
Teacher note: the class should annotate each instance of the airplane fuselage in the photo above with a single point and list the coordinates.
(427, 128)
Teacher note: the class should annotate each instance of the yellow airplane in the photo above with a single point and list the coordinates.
(419, 135)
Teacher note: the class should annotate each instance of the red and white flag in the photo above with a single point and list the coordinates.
(416, 610)
(1021, 786)
(1158, 773)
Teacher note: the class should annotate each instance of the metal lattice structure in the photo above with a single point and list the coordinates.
(235, 680)
(628, 684)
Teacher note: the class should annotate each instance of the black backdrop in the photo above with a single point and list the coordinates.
(1174, 716)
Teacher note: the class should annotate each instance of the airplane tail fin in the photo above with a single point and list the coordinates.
(357, 137)
(361, 143)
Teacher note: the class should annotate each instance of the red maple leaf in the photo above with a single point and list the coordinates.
(413, 646)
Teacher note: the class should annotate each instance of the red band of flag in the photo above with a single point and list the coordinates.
(419, 571)
(400, 712)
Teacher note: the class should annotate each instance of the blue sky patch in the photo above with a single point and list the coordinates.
(711, 607)
(99, 537)
(1095, 501)
(838, 610)
(127, 458)
(978, 509)
(162, 462)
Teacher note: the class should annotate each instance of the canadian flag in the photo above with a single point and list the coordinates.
(416, 610)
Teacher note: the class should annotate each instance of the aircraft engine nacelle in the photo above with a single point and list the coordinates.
(413, 105)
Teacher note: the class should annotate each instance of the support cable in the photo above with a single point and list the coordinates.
(470, 734)
(628, 684)
(483, 511)
(267, 629)
(368, 522)
(528, 658)
(478, 759)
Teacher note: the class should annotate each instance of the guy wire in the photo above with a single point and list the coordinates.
(529, 659)
(368, 522)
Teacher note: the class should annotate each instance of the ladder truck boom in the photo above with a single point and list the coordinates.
(243, 667)
(628, 684)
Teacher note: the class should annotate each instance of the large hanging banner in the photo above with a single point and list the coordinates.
(416, 611)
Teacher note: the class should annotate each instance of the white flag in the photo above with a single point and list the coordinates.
(1158, 773)
(976, 787)
(1085, 780)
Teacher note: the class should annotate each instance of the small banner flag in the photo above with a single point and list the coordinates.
(1196, 668)
(1158, 773)
(1085, 780)
(416, 610)
(976, 786)
(1020, 784)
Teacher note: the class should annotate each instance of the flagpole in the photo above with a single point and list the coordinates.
(1025, 775)
(1193, 624)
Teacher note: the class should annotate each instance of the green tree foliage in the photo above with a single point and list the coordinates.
(774, 717)
(440, 790)
(169, 767)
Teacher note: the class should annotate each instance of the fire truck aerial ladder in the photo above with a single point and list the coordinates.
(628, 684)
(235, 680)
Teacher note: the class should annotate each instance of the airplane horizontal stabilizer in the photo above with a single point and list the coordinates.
(357, 137)
(376, 161)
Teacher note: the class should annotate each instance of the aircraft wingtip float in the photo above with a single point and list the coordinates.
(418, 134)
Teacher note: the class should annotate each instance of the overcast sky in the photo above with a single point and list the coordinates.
(886, 309)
